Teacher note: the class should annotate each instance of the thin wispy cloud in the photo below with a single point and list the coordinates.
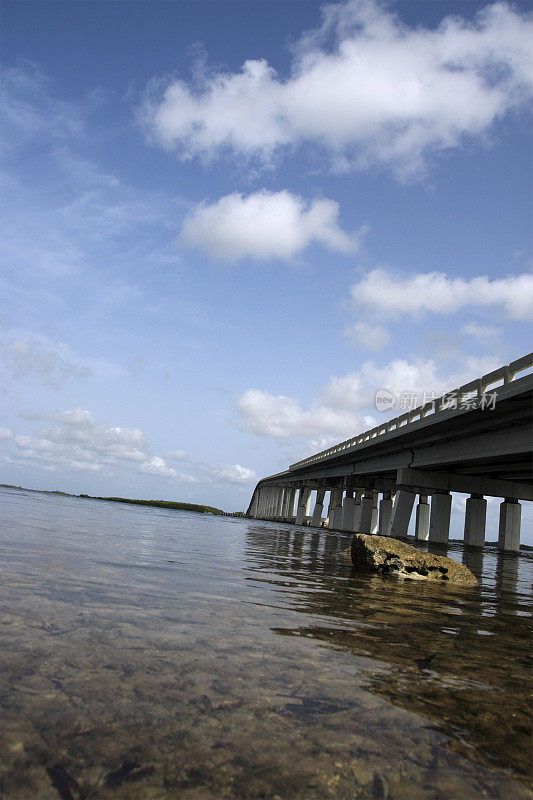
(32, 107)
(31, 356)
(367, 335)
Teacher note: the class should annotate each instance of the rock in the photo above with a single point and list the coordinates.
(390, 557)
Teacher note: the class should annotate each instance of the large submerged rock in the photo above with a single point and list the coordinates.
(390, 557)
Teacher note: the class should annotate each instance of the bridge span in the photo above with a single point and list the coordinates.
(476, 439)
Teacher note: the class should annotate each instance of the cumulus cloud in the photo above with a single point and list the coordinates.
(367, 335)
(283, 418)
(157, 466)
(364, 86)
(230, 473)
(76, 440)
(264, 225)
(346, 405)
(356, 390)
(80, 441)
(434, 292)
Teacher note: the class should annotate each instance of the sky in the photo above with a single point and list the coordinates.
(228, 224)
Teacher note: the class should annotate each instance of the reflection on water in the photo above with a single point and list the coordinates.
(149, 653)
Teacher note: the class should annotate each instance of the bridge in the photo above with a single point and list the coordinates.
(476, 439)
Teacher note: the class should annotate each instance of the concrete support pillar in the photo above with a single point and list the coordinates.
(292, 511)
(275, 495)
(264, 498)
(267, 501)
(439, 518)
(357, 511)
(509, 533)
(272, 509)
(401, 513)
(319, 507)
(279, 502)
(283, 512)
(369, 513)
(348, 512)
(422, 519)
(288, 511)
(385, 511)
(335, 509)
(475, 518)
(303, 505)
(307, 515)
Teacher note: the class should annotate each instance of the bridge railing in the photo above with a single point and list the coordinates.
(472, 390)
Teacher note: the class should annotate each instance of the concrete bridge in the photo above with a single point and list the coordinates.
(476, 439)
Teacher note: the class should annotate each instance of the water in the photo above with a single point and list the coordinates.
(159, 654)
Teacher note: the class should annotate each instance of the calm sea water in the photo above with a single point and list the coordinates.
(158, 654)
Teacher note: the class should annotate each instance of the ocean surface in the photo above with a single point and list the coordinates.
(149, 653)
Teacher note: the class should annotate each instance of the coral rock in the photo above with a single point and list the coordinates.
(390, 557)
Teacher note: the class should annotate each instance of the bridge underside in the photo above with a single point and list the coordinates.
(477, 451)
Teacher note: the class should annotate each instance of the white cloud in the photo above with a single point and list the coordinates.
(481, 331)
(346, 405)
(365, 334)
(383, 292)
(157, 466)
(30, 108)
(230, 473)
(356, 390)
(177, 455)
(75, 440)
(80, 441)
(264, 225)
(282, 417)
(364, 86)
(48, 360)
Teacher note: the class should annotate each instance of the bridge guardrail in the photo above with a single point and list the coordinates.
(472, 389)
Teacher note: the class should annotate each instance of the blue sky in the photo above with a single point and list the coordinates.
(227, 224)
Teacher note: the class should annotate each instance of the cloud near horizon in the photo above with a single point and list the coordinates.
(264, 225)
(364, 87)
(75, 440)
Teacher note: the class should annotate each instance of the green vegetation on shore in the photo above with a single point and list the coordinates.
(160, 504)
(157, 503)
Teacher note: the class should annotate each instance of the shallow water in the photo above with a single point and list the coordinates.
(150, 653)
